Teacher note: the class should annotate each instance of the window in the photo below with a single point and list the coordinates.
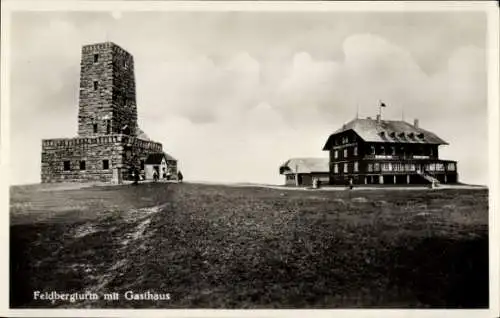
(345, 168)
(96, 85)
(94, 127)
(290, 177)
(336, 168)
(398, 167)
(439, 167)
(393, 150)
(336, 154)
(108, 126)
(355, 152)
(387, 166)
(376, 167)
(432, 167)
(82, 165)
(356, 167)
(451, 166)
(105, 164)
(66, 166)
(345, 153)
(370, 167)
(96, 58)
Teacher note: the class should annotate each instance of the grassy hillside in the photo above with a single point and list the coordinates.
(215, 246)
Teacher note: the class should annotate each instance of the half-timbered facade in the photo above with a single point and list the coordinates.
(375, 151)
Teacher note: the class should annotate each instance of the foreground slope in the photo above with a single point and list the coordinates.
(215, 246)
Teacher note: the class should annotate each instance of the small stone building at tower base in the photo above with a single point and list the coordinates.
(102, 158)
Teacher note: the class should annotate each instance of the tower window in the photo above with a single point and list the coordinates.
(82, 165)
(142, 164)
(66, 166)
(105, 164)
(94, 128)
(96, 58)
(108, 126)
(96, 85)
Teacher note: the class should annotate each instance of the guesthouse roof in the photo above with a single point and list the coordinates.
(396, 131)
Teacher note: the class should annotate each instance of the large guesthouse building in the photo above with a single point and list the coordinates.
(376, 151)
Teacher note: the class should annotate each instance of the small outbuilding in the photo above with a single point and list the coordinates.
(302, 171)
(164, 164)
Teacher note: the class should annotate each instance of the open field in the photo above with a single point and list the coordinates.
(214, 246)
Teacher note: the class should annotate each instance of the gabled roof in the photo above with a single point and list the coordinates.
(305, 165)
(156, 158)
(397, 131)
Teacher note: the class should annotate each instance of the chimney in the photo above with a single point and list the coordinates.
(415, 123)
(378, 118)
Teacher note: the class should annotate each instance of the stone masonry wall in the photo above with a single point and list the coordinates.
(139, 151)
(124, 95)
(92, 150)
(107, 90)
(95, 102)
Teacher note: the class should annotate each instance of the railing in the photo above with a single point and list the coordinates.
(397, 157)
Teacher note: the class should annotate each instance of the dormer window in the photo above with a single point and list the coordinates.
(392, 134)
(411, 135)
(382, 133)
(421, 136)
(401, 135)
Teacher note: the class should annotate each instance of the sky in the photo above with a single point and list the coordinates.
(233, 95)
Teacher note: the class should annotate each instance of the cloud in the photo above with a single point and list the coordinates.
(201, 90)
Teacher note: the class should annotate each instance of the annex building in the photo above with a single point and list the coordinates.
(109, 145)
(376, 151)
(302, 171)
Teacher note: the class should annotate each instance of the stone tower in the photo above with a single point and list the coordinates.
(107, 100)
(107, 148)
